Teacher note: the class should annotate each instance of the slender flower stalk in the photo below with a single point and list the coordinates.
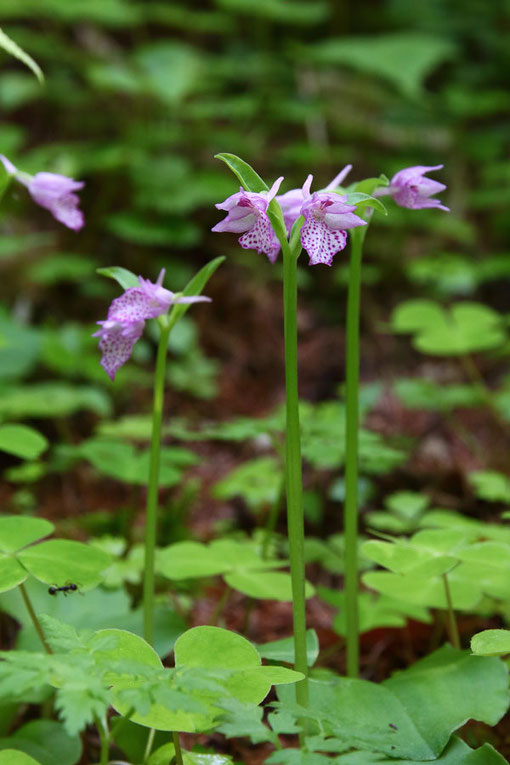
(293, 471)
(151, 513)
(351, 453)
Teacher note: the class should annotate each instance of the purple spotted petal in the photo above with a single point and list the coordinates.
(127, 315)
(246, 215)
(262, 238)
(116, 343)
(321, 242)
(327, 215)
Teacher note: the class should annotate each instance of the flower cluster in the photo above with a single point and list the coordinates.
(52, 191)
(126, 318)
(327, 214)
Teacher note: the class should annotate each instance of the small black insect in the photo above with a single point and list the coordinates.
(65, 589)
(392, 725)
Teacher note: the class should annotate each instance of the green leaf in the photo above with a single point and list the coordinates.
(365, 200)
(14, 50)
(11, 573)
(229, 660)
(249, 179)
(125, 278)
(283, 650)
(48, 742)
(15, 757)
(403, 59)
(456, 753)
(266, 585)
(188, 559)
(64, 561)
(467, 327)
(124, 462)
(491, 643)
(412, 714)
(194, 287)
(449, 687)
(258, 482)
(22, 441)
(53, 399)
(490, 485)
(19, 531)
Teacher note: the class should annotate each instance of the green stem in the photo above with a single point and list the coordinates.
(35, 620)
(178, 750)
(351, 454)
(152, 489)
(148, 745)
(293, 477)
(105, 742)
(453, 629)
(220, 605)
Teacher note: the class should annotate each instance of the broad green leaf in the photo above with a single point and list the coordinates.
(52, 399)
(449, 687)
(188, 559)
(283, 650)
(11, 573)
(211, 650)
(258, 482)
(266, 585)
(412, 714)
(403, 59)
(194, 287)
(415, 315)
(490, 485)
(14, 50)
(465, 328)
(63, 561)
(491, 643)
(424, 591)
(124, 462)
(375, 611)
(213, 647)
(249, 179)
(456, 753)
(22, 441)
(403, 557)
(19, 531)
(48, 741)
(15, 757)
(125, 278)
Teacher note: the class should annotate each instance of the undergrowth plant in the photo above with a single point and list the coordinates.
(102, 635)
